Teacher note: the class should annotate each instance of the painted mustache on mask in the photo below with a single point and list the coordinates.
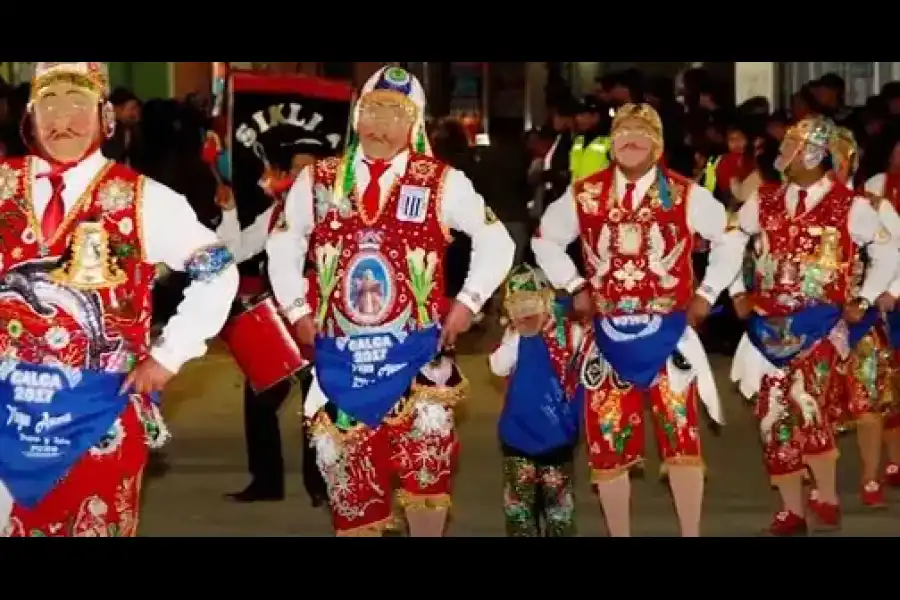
(63, 134)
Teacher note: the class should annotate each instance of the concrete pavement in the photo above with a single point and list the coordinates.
(204, 411)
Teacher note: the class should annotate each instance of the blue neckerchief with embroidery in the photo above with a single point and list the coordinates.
(537, 416)
(367, 374)
(49, 418)
(855, 333)
(781, 339)
(637, 347)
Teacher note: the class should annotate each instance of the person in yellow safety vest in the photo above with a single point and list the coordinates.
(708, 179)
(590, 149)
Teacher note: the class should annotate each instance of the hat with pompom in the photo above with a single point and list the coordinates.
(393, 85)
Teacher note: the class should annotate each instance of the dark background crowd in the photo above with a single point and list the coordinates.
(705, 133)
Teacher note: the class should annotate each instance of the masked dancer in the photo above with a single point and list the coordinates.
(884, 190)
(636, 223)
(805, 314)
(82, 236)
(538, 425)
(376, 223)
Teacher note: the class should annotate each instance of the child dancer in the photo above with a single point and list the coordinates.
(539, 425)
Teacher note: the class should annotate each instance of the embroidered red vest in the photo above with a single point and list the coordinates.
(805, 260)
(637, 261)
(387, 271)
(561, 354)
(48, 311)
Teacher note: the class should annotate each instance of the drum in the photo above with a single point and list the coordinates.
(262, 345)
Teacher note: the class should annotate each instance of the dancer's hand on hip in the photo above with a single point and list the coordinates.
(886, 302)
(305, 331)
(743, 306)
(458, 321)
(583, 304)
(698, 310)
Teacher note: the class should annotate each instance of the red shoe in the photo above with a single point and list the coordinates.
(828, 516)
(892, 474)
(787, 524)
(872, 495)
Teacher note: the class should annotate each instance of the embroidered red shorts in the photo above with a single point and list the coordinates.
(866, 386)
(793, 411)
(616, 429)
(99, 496)
(416, 449)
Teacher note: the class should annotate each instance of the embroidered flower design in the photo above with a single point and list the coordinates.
(17, 253)
(126, 226)
(9, 182)
(423, 170)
(629, 275)
(15, 329)
(28, 236)
(57, 338)
(116, 195)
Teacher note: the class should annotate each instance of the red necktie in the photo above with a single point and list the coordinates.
(371, 199)
(801, 203)
(55, 211)
(628, 200)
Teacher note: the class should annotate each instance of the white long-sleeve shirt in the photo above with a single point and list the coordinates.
(503, 360)
(890, 219)
(245, 243)
(171, 235)
(705, 215)
(462, 209)
(864, 223)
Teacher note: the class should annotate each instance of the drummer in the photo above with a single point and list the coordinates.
(261, 429)
(376, 222)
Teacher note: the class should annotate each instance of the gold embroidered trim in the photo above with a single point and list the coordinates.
(439, 200)
(75, 212)
(411, 501)
(372, 530)
(683, 461)
(447, 396)
(139, 217)
(606, 475)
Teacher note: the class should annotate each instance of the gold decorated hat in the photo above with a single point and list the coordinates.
(845, 151)
(643, 114)
(527, 292)
(92, 76)
(817, 131)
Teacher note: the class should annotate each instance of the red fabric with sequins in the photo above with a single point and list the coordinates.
(634, 280)
(113, 199)
(561, 354)
(99, 495)
(373, 284)
(792, 240)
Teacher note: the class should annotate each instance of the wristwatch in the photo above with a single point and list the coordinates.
(863, 304)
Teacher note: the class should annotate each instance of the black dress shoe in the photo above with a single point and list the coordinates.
(318, 500)
(253, 494)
